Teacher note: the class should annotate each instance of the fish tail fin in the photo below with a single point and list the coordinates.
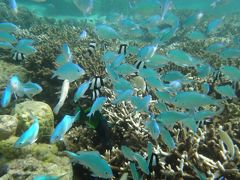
(54, 74)
(57, 108)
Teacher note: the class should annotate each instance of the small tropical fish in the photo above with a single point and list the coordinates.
(122, 85)
(155, 83)
(174, 76)
(231, 72)
(123, 96)
(97, 105)
(62, 127)
(111, 73)
(85, 6)
(95, 93)
(16, 86)
(213, 25)
(8, 27)
(122, 49)
(166, 137)
(147, 52)
(165, 6)
(81, 90)
(118, 60)
(29, 136)
(25, 49)
(193, 19)
(139, 64)
(83, 35)
(48, 177)
(226, 91)
(190, 122)
(204, 70)
(106, 32)
(6, 37)
(142, 162)
(31, 89)
(125, 69)
(93, 161)
(6, 96)
(63, 96)
(196, 35)
(148, 73)
(128, 24)
(149, 151)
(6, 45)
(157, 61)
(27, 42)
(134, 171)
(169, 118)
(141, 104)
(91, 49)
(152, 127)
(215, 47)
(205, 87)
(161, 106)
(97, 82)
(163, 96)
(181, 58)
(193, 99)
(127, 153)
(60, 60)
(66, 52)
(18, 57)
(69, 71)
(174, 86)
(13, 5)
(230, 53)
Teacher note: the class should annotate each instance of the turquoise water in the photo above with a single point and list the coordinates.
(119, 89)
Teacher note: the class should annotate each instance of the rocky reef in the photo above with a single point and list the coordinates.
(195, 153)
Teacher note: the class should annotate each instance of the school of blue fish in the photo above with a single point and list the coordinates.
(163, 90)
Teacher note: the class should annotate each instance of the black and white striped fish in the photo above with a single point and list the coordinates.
(95, 93)
(96, 83)
(91, 49)
(122, 49)
(95, 87)
(138, 64)
(18, 56)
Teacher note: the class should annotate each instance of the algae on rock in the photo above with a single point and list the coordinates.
(35, 159)
(8, 126)
(40, 109)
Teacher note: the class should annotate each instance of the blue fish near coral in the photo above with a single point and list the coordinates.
(83, 35)
(13, 5)
(8, 27)
(69, 71)
(81, 90)
(6, 96)
(6, 37)
(63, 127)
(97, 105)
(152, 127)
(48, 177)
(31, 89)
(93, 161)
(29, 136)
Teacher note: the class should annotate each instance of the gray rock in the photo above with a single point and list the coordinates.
(8, 126)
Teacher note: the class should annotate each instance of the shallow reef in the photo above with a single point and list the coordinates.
(194, 153)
